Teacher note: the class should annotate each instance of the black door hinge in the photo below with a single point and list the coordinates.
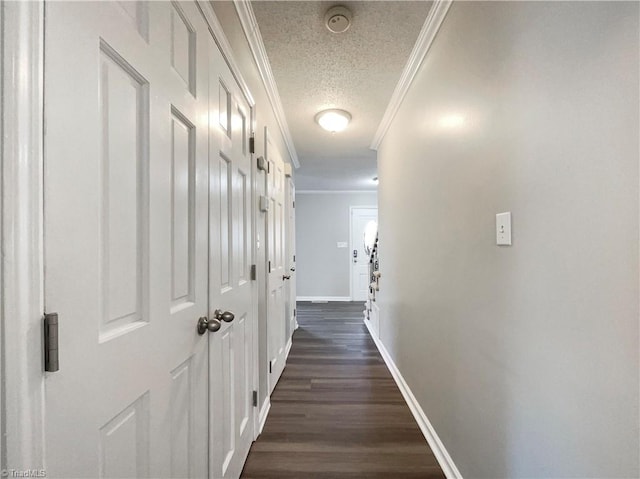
(294, 205)
(269, 367)
(51, 359)
(252, 143)
(269, 266)
(255, 398)
(294, 312)
(294, 258)
(254, 275)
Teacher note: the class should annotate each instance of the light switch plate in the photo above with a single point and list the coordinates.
(503, 229)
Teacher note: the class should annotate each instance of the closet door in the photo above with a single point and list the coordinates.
(290, 261)
(126, 238)
(276, 242)
(230, 286)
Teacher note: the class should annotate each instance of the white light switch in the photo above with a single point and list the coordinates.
(342, 244)
(503, 228)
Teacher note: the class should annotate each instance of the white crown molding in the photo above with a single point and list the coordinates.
(225, 48)
(439, 451)
(421, 48)
(252, 33)
(328, 192)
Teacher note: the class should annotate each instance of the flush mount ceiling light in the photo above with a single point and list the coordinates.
(333, 120)
(338, 19)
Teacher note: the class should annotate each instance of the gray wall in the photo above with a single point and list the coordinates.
(524, 358)
(322, 220)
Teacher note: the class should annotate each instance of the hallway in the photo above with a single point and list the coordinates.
(202, 200)
(336, 411)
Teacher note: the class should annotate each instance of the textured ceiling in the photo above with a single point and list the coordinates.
(355, 71)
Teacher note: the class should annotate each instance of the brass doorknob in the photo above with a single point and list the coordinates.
(227, 316)
(205, 324)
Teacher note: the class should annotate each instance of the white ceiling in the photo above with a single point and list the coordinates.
(356, 71)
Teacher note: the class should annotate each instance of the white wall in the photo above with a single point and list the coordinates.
(322, 220)
(524, 358)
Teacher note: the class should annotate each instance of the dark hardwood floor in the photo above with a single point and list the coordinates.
(336, 411)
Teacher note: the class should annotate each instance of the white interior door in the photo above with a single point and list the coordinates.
(276, 325)
(126, 238)
(290, 260)
(360, 216)
(231, 347)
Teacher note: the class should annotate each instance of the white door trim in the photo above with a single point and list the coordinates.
(22, 234)
(351, 208)
(255, 178)
(2, 373)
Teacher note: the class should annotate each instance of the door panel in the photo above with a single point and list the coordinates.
(182, 212)
(276, 248)
(123, 235)
(126, 241)
(230, 287)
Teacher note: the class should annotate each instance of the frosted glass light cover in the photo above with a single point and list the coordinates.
(333, 120)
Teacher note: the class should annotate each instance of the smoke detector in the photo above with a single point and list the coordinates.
(338, 19)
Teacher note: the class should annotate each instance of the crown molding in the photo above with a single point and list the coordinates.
(421, 48)
(252, 33)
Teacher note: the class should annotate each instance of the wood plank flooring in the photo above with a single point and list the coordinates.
(336, 411)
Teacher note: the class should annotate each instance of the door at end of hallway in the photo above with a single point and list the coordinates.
(360, 217)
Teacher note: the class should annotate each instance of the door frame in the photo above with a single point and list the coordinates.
(22, 30)
(351, 208)
(22, 226)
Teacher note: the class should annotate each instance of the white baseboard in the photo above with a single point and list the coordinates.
(266, 406)
(323, 299)
(444, 459)
(288, 350)
(264, 412)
